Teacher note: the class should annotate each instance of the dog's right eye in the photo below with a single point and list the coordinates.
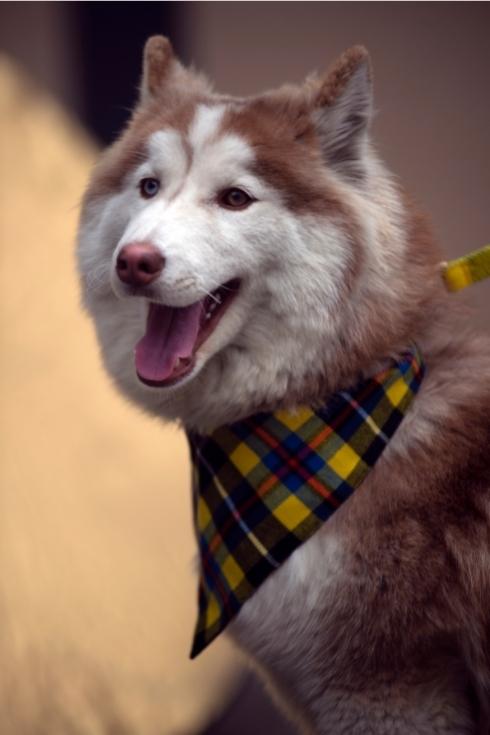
(234, 199)
(149, 187)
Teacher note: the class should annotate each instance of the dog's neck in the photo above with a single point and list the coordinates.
(345, 366)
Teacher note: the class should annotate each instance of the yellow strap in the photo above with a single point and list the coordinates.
(462, 272)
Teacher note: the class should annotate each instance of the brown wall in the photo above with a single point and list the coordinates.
(432, 72)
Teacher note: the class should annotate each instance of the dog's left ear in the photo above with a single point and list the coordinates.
(158, 63)
(343, 108)
(164, 77)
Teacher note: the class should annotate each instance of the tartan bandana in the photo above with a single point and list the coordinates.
(264, 485)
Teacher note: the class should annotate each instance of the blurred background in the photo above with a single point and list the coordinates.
(97, 593)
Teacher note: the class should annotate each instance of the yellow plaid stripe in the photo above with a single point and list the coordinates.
(291, 512)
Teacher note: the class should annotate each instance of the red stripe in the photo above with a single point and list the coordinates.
(225, 594)
(292, 462)
(269, 482)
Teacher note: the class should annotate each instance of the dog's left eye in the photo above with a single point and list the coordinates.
(149, 187)
(234, 198)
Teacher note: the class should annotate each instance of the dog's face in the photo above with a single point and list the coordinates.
(221, 239)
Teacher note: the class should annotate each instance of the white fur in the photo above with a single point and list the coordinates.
(205, 125)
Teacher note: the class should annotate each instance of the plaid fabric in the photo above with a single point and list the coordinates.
(469, 269)
(264, 485)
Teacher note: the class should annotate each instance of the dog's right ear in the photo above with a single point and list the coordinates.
(158, 63)
(343, 112)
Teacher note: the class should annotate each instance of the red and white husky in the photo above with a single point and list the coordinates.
(247, 254)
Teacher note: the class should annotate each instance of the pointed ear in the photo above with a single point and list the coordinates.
(343, 112)
(158, 60)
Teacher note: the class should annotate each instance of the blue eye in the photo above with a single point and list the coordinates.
(149, 187)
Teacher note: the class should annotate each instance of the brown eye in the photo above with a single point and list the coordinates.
(234, 199)
(149, 187)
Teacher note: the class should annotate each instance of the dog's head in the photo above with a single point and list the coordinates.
(236, 253)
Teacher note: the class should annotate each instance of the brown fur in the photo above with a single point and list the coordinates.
(340, 73)
(284, 143)
(157, 60)
(419, 524)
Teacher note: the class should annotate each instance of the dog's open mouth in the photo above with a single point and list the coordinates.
(167, 351)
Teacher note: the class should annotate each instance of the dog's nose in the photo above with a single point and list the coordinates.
(139, 263)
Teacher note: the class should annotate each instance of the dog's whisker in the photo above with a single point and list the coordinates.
(211, 295)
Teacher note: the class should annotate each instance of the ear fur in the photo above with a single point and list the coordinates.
(343, 111)
(158, 59)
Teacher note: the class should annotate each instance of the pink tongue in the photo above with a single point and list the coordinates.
(171, 334)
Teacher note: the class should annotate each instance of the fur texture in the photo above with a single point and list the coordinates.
(379, 623)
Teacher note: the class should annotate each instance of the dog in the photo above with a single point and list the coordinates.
(245, 255)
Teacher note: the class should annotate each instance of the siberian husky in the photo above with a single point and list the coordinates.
(265, 239)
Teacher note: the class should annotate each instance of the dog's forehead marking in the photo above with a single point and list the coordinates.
(165, 142)
(208, 150)
(219, 154)
(205, 125)
(167, 151)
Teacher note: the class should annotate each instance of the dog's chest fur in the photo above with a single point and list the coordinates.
(372, 603)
